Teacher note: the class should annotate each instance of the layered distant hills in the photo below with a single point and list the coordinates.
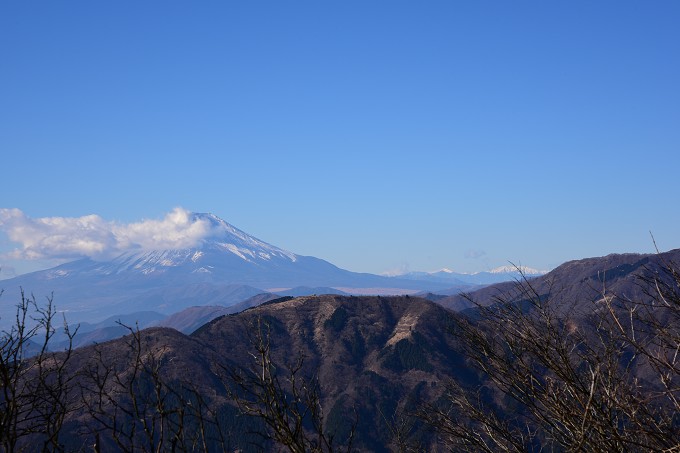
(379, 358)
(371, 355)
(456, 281)
(387, 362)
(228, 267)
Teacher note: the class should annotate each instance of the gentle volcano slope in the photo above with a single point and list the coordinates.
(577, 282)
(226, 267)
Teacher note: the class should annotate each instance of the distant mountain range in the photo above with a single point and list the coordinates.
(372, 355)
(228, 267)
(497, 275)
(377, 357)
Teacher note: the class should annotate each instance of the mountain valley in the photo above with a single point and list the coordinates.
(188, 342)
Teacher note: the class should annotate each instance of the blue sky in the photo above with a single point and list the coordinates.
(378, 135)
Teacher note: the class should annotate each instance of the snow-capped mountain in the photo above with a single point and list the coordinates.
(497, 275)
(530, 271)
(223, 240)
(225, 267)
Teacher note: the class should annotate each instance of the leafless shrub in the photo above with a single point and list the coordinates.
(138, 408)
(35, 383)
(600, 376)
(287, 403)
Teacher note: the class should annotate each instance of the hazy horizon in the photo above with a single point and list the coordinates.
(48, 242)
(380, 136)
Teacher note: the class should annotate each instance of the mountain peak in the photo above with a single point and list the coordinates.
(444, 270)
(214, 237)
(209, 218)
(222, 235)
(511, 269)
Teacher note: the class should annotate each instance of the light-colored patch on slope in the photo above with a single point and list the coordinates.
(404, 328)
(293, 303)
(326, 309)
(325, 306)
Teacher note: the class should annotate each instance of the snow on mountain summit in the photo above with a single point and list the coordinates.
(456, 279)
(220, 238)
(514, 269)
(227, 236)
(444, 270)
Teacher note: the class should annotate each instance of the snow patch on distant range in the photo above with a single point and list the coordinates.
(513, 269)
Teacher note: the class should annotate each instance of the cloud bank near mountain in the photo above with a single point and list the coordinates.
(93, 237)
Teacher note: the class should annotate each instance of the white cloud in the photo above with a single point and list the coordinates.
(91, 236)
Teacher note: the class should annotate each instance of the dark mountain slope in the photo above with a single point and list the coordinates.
(583, 358)
(579, 281)
(190, 319)
(379, 356)
(542, 356)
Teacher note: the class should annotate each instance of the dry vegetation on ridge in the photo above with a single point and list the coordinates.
(537, 365)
